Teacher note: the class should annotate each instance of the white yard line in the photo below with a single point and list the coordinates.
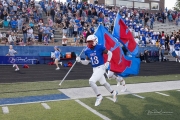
(178, 90)
(92, 110)
(135, 95)
(161, 93)
(138, 96)
(45, 105)
(110, 98)
(5, 110)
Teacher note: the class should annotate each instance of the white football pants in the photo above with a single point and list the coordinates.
(111, 75)
(98, 75)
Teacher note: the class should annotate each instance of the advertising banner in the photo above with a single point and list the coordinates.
(19, 59)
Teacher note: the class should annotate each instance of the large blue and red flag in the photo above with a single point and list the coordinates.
(124, 35)
(121, 64)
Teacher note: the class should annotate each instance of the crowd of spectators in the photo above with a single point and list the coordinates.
(37, 22)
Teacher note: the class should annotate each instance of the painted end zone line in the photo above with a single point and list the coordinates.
(45, 105)
(5, 110)
(161, 93)
(92, 110)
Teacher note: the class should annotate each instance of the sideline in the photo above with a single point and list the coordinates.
(86, 92)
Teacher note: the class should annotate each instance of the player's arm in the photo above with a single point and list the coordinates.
(109, 53)
(84, 62)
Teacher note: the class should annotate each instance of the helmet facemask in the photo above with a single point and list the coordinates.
(92, 41)
(90, 44)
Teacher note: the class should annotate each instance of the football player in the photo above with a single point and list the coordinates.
(118, 78)
(94, 54)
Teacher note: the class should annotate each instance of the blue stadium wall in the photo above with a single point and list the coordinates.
(33, 52)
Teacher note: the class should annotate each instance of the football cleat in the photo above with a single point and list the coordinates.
(98, 100)
(124, 89)
(114, 95)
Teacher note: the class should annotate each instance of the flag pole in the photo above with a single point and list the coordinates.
(70, 69)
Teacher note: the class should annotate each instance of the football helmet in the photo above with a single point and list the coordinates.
(92, 41)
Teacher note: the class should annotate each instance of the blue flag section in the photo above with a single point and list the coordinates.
(124, 35)
(120, 64)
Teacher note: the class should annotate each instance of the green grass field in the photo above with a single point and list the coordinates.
(128, 107)
(62, 110)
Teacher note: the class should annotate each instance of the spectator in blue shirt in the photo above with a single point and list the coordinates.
(14, 24)
(151, 23)
(144, 40)
(162, 49)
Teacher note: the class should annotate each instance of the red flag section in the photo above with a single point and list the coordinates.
(126, 36)
(118, 62)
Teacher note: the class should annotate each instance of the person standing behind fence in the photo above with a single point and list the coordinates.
(167, 40)
(12, 52)
(24, 29)
(57, 56)
(177, 49)
(162, 49)
(14, 24)
(171, 45)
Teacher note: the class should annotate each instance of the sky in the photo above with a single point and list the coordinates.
(170, 3)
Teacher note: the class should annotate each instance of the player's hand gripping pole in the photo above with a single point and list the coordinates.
(70, 69)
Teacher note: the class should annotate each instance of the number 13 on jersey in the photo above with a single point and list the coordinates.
(94, 60)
